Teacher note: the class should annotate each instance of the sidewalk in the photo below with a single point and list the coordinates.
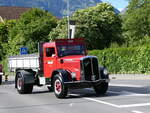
(130, 76)
(10, 78)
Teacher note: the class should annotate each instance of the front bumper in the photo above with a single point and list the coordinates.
(85, 84)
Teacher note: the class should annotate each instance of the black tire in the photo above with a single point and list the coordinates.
(60, 90)
(101, 88)
(23, 88)
(0, 79)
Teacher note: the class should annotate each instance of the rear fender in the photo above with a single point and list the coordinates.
(28, 76)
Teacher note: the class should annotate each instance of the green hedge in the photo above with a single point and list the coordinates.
(119, 60)
(125, 60)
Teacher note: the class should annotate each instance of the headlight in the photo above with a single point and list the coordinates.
(73, 74)
(105, 71)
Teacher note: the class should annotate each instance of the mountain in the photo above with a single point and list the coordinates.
(56, 7)
(123, 11)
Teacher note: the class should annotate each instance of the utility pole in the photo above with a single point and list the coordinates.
(71, 23)
(68, 15)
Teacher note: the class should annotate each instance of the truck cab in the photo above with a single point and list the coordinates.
(62, 65)
(63, 54)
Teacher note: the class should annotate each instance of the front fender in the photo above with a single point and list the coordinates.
(64, 74)
(102, 74)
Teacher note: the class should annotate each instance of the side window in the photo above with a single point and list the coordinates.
(50, 52)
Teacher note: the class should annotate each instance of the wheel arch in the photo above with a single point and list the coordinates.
(28, 75)
(64, 74)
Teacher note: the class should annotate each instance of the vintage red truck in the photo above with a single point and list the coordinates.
(1, 73)
(61, 65)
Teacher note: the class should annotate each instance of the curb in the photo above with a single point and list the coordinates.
(129, 76)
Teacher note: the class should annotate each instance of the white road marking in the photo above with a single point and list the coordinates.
(118, 106)
(102, 102)
(134, 105)
(126, 85)
(136, 94)
(134, 111)
(71, 104)
(127, 93)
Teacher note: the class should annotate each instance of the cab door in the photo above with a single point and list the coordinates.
(49, 61)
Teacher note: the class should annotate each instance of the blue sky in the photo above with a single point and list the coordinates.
(119, 4)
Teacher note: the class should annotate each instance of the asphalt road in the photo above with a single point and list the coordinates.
(123, 96)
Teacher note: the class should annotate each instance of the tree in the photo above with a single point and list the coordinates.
(136, 22)
(32, 27)
(100, 25)
(4, 31)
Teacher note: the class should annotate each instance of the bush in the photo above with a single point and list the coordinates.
(125, 60)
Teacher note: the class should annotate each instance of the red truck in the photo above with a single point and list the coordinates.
(1, 73)
(61, 65)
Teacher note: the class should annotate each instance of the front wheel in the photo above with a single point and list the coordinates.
(60, 89)
(101, 88)
(22, 87)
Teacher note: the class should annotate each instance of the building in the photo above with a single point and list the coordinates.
(9, 13)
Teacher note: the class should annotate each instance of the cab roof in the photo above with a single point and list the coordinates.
(77, 41)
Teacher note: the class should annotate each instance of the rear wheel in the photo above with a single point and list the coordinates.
(60, 89)
(101, 88)
(21, 86)
(0, 79)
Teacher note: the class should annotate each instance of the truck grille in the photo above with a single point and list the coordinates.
(89, 68)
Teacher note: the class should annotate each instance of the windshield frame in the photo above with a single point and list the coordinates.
(82, 50)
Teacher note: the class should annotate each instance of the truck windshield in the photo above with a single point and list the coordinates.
(65, 50)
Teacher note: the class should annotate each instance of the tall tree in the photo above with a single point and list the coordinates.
(32, 27)
(100, 25)
(4, 31)
(136, 23)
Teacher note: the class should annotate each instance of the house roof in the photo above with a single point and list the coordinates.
(12, 12)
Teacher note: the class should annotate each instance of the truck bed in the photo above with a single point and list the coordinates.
(29, 61)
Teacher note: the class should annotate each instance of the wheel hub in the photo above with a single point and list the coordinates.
(19, 83)
(58, 87)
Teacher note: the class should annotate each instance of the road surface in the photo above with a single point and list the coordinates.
(123, 96)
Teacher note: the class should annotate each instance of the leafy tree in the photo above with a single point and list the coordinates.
(4, 31)
(136, 22)
(3, 36)
(100, 25)
(32, 27)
